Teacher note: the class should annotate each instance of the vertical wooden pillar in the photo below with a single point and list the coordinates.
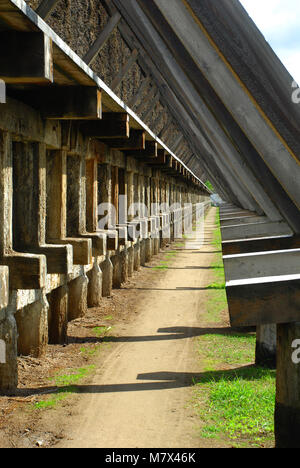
(115, 191)
(56, 195)
(287, 412)
(29, 198)
(8, 328)
(105, 197)
(105, 191)
(29, 232)
(91, 195)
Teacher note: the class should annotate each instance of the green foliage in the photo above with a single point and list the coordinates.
(209, 186)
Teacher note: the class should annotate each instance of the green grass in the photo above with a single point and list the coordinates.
(237, 405)
(231, 349)
(165, 262)
(217, 299)
(234, 405)
(90, 352)
(101, 332)
(66, 386)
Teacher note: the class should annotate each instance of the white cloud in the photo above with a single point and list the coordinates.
(279, 21)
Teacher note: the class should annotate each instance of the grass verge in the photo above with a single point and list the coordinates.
(217, 300)
(233, 398)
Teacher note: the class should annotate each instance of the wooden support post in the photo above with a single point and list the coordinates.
(112, 126)
(29, 207)
(125, 69)
(57, 209)
(99, 43)
(64, 102)
(25, 58)
(287, 411)
(91, 195)
(76, 205)
(106, 217)
(25, 271)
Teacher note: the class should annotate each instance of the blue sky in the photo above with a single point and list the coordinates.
(279, 21)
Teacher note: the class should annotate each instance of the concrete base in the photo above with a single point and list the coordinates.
(117, 271)
(78, 289)
(124, 259)
(58, 315)
(32, 325)
(95, 286)
(9, 369)
(137, 256)
(143, 252)
(107, 277)
(148, 250)
(130, 252)
(156, 245)
(266, 346)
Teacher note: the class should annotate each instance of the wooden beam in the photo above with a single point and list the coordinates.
(46, 7)
(93, 52)
(4, 287)
(136, 141)
(64, 102)
(150, 151)
(111, 126)
(125, 69)
(260, 245)
(159, 161)
(140, 92)
(145, 101)
(25, 57)
(151, 107)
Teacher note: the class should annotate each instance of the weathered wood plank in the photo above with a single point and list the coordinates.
(64, 102)
(45, 8)
(112, 126)
(125, 69)
(150, 151)
(25, 58)
(99, 43)
(260, 302)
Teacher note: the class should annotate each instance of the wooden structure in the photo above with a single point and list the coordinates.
(213, 102)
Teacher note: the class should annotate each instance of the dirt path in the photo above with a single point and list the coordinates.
(139, 395)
